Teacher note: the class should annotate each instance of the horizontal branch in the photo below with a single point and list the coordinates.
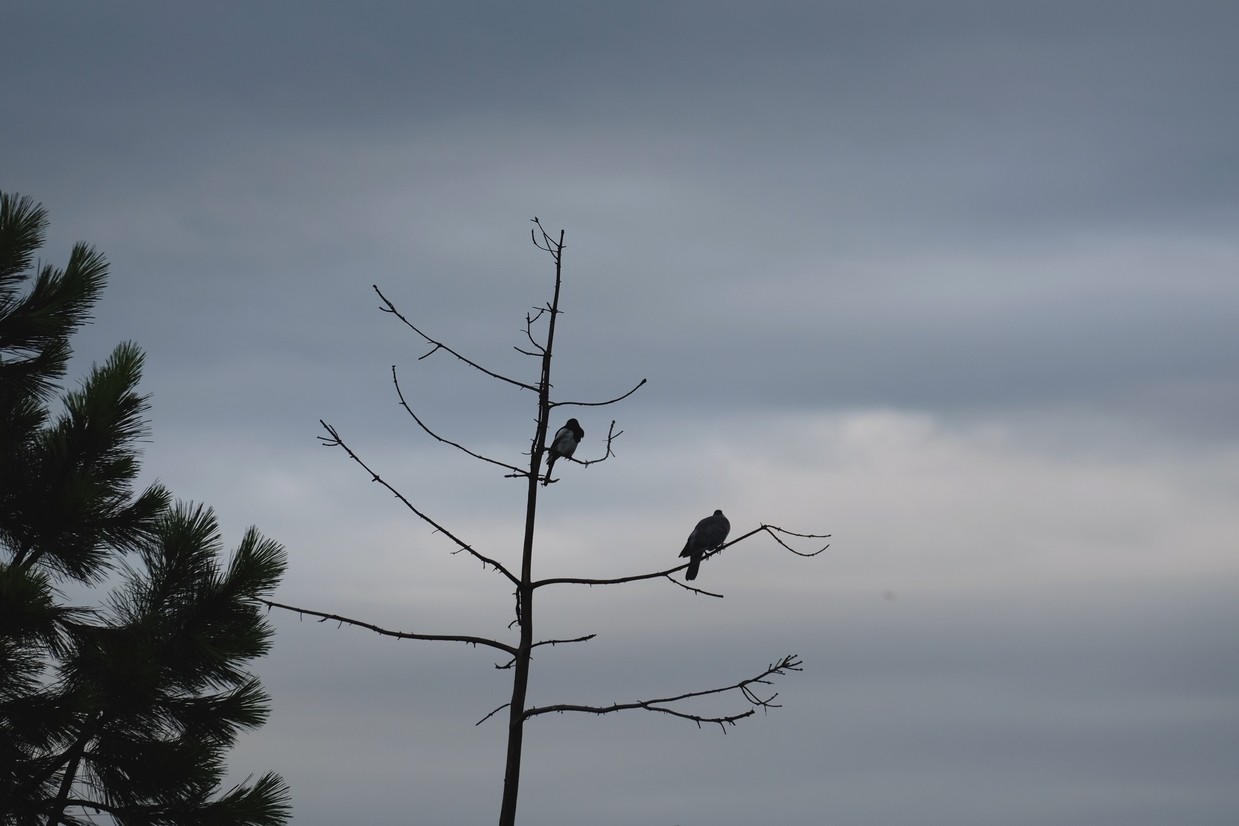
(598, 404)
(438, 345)
(553, 643)
(772, 530)
(568, 580)
(512, 662)
(661, 705)
(402, 635)
(462, 448)
(336, 441)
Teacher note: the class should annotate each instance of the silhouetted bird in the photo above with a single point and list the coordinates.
(708, 535)
(564, 444)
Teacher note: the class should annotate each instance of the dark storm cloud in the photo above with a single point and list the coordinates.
(845, 136)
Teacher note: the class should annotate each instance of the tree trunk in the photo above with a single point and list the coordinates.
(516, 712)
(524, 594)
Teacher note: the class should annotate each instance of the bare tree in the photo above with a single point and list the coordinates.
(752, 692)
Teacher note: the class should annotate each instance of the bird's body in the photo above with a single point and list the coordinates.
(708, 535)
(564, 444)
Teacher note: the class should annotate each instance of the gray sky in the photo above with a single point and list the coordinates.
(957, 282)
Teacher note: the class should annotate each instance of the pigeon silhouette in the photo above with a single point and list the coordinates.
(708, 535)
(564, 444)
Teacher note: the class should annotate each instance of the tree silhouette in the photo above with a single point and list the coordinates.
(539, 344)
(128, 709)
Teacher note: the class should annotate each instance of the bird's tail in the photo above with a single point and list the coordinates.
(550, 463)
(693, 565)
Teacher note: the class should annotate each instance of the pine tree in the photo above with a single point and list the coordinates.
(126, 708)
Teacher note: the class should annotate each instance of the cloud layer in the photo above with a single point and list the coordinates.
(953, 282)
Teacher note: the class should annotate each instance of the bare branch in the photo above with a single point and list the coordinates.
(529, 322)
(400, 394)
(600, 404)
(512, 662)
(547, 243)
(774, 532)
(693, 588)
(438, 345)
(492, 714)
(745, 688)
(769, 529)
(403, 635)
(623, 579)
(336, 441)
(612, 435)
(585, 638)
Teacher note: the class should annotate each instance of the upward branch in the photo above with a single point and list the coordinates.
(600, 404)
(336, 441)
(400, 394)
(389, 307)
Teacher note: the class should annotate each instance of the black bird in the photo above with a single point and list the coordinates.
(708, 535)
(564, 444)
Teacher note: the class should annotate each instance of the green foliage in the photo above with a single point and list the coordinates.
(125, 709)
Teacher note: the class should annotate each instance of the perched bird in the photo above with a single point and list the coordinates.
(708, 535)
(564, 444)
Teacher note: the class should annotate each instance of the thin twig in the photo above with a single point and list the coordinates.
(774, 532)
(600, 404)
(548, 243)
(585, 638)
(512, 662)
(400, 394)
(607, 453)
(612, 435)
(529, 322)
(492, 714)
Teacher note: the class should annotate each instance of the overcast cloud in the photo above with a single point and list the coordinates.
(957, 282)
